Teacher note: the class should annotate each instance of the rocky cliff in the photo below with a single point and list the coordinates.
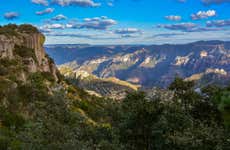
(25, 43)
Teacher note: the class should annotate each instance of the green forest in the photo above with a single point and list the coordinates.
(32, 118)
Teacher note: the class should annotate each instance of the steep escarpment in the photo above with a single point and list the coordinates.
(24, 43)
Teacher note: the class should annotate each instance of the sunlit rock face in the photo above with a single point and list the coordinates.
(151, 62)
(36, 41)
(7, 45)
(154, 65)
(182, 60)
(203, 54)
(216, 71)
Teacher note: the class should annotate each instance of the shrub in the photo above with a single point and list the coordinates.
(9, 119)
(27, 28)
(48, 76)
(5, 86)
(9, 30)
(8, 62)
(13, 29)
(37, 79)
(25, 52)
(3, 70)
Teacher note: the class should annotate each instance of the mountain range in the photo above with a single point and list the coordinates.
(207, 62)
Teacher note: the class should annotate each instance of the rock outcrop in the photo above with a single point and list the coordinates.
(7, 45)
(26, 38)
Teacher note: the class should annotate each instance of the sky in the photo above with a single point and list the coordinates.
(122, 21)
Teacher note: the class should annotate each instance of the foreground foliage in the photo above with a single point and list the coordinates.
(43, 114)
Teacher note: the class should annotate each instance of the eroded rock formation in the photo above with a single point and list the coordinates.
(27, 40)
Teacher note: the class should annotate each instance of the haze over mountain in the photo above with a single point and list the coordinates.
(151, 65)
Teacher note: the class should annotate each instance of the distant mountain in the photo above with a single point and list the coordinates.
(153, 65)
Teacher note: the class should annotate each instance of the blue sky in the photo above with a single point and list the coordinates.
(122, 21)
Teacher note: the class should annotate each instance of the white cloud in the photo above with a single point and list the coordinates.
(59, 17)
(40, 2)
(46, 11)
(81, 3)
(173, 18)
(96, 23)
(52, 26)
(11, 15)
(128, 31)
(203, 14)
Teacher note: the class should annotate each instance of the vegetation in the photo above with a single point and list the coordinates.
(14, 30)
(9, 30)
(190, 121)
(11, 68)
(27, 28)
(25, 52)
(43, 114)
(69, 118)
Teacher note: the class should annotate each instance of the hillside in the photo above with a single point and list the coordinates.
(149, 66)
(42, 110)
(104, 87)
(39, 109)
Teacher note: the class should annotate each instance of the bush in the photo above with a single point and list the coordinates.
(48, 76)
(25, 52)
(9, 119)
(3, 70)
(37, 80)
(9, 30)
(27, 28)
(8, 62)
(5, 87)
(13, 29)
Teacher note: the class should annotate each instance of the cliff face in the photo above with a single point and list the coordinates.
(23, 42)
(36, 41)
(7, 45)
